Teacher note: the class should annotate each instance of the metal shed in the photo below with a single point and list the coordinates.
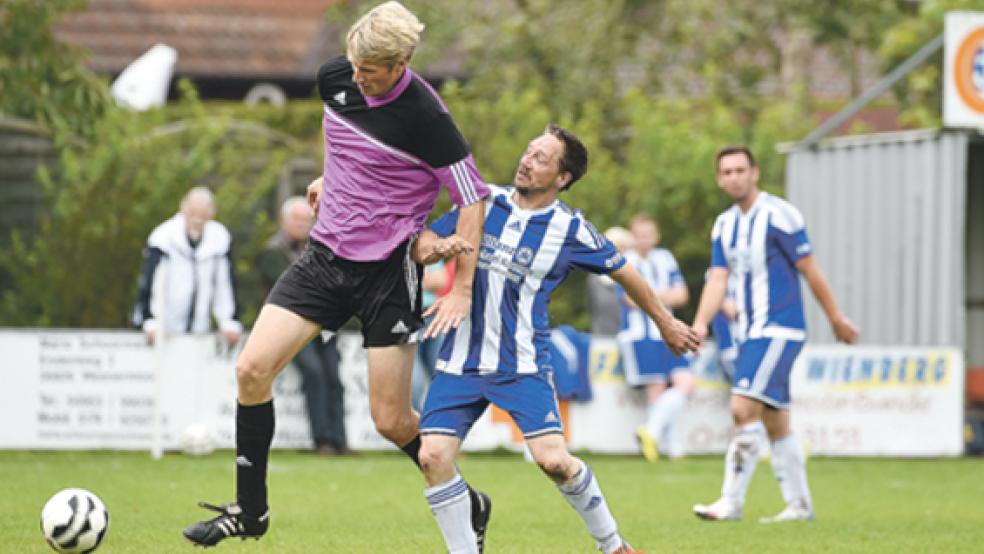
(897, 221)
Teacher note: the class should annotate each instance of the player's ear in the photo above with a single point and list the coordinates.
(563, 178)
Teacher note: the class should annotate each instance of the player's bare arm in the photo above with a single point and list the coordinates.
(431, 248)
(678, 336)
(675, 297)
(672, 298)
(452, 309)
(711, 299)
(843, 328)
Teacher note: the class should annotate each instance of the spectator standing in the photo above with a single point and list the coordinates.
(318, 361)
(604, 303)
(188, 274)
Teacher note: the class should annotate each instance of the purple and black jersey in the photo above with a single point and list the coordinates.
(386, 159)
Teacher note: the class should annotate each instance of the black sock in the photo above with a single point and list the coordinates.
(412, 449)
(254, 433)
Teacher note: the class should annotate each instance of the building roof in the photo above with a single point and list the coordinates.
(234, 38)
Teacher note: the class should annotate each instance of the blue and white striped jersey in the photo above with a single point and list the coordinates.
(760, 249)
(662, 272)
(524, 256)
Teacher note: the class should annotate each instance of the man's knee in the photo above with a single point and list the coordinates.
(555, 463)
(252, 374)
(435, 459)
(745, 410)
(394, 425)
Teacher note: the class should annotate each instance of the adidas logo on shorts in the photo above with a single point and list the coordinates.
(551, 418)
(400, 328)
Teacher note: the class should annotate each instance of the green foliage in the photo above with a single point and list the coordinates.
(41, 78)
(81, 268)
(920, 92)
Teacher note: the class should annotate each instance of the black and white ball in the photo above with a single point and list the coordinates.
(74, 521)
(197, 440)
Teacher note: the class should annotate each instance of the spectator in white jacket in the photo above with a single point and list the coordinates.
(187, 274)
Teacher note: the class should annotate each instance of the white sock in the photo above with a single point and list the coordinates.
(451, 506)
(656, 417)
(674, 403)
(789, 465)
(584, 494)
(740, 461)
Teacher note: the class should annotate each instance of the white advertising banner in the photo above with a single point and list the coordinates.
(963, 70)
(847, 401)
(73, 389)
(100, 389)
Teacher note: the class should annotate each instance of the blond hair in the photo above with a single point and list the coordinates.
(387, 35)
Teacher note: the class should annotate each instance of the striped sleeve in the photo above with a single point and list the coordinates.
(593, 252)
(463, 181)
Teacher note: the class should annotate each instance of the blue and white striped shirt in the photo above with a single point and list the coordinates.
(760, 249)
(524, 256)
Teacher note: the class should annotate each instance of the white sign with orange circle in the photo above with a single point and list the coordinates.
(963, 70)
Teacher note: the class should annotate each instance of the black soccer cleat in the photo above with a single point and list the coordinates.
(481, 512)
(231, 522)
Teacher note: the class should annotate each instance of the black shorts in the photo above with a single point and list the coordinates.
(385, 296)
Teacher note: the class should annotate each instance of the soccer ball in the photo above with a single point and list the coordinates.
(197, 440)
(74, 521)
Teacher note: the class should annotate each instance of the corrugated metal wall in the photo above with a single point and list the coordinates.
(886, 214)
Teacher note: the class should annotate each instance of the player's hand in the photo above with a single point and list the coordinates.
(700, 329)
(451, 246)
(679, 337)
(449, 311)
(314, 194)
(151, 336)
(845, 330)
(230, 337)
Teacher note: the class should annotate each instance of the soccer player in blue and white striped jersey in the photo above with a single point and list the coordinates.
(761, 243)
(646, 359)
(531, 241)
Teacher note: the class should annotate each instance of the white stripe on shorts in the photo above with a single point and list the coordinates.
(767, 366)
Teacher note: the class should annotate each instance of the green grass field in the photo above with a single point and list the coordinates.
(374, 503)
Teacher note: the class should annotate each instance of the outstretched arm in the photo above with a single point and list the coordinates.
(843, 328)
(678, 336)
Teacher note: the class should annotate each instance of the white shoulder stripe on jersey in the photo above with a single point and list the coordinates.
(462, 178)
(369, 138)
(788, 218)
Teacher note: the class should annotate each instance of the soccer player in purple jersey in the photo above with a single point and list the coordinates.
(390, 146)
(760, 244)
(530, 243)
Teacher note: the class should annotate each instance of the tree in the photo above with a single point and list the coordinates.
(41, 78)
(920, 92)
(108, 194)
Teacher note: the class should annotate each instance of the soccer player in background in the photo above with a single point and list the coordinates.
(761, 242)
(531, 242)
(645, 357)
(390, 145)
